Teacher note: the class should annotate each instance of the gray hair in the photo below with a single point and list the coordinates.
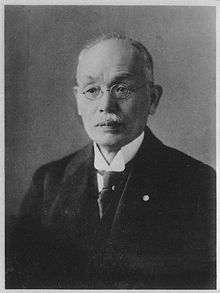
(142, 50)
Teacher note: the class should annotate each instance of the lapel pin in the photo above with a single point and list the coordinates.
(146, 197)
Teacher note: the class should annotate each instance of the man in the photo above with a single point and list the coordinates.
(126, 211)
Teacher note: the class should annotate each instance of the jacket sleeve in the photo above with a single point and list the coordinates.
(24, 244)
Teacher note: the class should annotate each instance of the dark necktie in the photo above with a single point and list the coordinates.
(108, 192)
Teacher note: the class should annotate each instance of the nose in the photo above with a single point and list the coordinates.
(107, 103)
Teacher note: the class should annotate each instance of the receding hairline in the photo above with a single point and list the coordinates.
(139, 47)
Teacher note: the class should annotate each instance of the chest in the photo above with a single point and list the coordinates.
(147, 217)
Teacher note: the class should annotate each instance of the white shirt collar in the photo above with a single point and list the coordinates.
(123, 156)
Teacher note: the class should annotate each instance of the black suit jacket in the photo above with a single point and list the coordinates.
(165, 242)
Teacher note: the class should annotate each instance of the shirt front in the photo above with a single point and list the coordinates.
(123, 156)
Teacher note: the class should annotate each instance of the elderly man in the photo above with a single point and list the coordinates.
(126, 211)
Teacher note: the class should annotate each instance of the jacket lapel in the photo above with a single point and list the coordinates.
(74, 201)
(72, 194)
(141, 197)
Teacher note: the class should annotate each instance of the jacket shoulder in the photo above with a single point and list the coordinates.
(183, 163)
(58, 168)
(47, 178)
(170, 160)
(194, 180)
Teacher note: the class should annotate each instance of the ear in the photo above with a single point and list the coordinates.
(76, 94)
(156, 93)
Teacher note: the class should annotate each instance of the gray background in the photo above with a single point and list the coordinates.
(41, 48)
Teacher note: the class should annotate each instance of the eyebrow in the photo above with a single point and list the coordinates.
(119, 77)
(123, 76)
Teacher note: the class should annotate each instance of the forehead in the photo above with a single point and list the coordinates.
(109, 58)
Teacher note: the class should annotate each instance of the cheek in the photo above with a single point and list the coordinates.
(86, 110)
(136, 111)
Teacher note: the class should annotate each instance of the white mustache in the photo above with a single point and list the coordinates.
(108, 119)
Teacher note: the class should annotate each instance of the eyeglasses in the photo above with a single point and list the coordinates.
(118, 91)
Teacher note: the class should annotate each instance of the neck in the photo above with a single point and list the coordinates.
(108, 154)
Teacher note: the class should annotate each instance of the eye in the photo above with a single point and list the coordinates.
(93, 90)
(121, 89)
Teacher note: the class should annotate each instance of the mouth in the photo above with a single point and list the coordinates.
(109, 125)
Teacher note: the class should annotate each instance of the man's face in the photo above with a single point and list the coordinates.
(109, 121)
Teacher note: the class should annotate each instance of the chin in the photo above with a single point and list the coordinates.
(109, 140)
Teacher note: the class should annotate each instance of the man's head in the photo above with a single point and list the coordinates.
(115, 91)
